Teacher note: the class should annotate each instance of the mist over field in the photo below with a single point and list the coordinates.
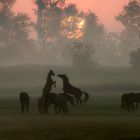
(97, 81)
(100, 69)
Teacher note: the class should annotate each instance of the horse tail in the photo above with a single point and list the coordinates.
(86, 96)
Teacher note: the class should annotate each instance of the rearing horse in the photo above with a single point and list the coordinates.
(49, 83)
(69, 89)
(46, 90)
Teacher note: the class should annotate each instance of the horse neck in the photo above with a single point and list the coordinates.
(49, 77)
(48, 80)
(66, 83)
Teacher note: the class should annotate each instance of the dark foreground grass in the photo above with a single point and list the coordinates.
(39, 127)
(98, 119)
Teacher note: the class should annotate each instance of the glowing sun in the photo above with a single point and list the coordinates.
(72, 27)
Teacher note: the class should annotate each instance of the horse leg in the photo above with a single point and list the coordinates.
(57, 109)
(22, 108)
(27, 108)
(45, 106)
(65, 108)
(54, 83)
(77, 101)
(46, 109)
(80, 102)
(133, 106)
(122, 105)
(39, 107)
(128, 106)
(137, 104)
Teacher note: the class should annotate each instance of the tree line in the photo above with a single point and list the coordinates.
(65, 33)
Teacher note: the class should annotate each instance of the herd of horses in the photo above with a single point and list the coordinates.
(71, 95)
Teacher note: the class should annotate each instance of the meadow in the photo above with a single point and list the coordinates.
(98, 119)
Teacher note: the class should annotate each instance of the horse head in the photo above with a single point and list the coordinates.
(51, 73)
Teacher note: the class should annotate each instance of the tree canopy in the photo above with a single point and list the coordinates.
(14, 33)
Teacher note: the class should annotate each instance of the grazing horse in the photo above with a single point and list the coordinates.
(127, 102)
(58, 100)
(69, 89)
(24, 101)
(130, 101)
(47, 88)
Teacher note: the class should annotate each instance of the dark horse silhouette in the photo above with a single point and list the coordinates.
(69, 89)
(24, 102)
(58, 100)
(47, 88)
(130, 101)
(61, 102)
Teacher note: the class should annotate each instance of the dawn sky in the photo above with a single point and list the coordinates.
(106, 10)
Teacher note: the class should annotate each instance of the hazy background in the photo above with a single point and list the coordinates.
(96, 43)
(97, 48)
(106, 11)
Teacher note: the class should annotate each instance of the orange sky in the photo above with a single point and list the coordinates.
(106, 10)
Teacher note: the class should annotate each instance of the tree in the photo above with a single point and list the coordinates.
(93, 31)
(71, 10)
(130, 36)
(48, 12)
(130, 19)
(53, 22)
(82, 55)
(135, 59)
(14, 33)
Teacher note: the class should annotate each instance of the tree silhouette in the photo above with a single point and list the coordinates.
(130, 36)
(82, 55)
(130, 18)
(93, 31)
(135, 59)
(71, 10)
(14, 33)
(53, 22)
(47, 14)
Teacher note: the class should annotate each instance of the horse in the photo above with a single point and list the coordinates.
(61, 102)
(24, 101)
(69, 89)
(127, 102)
(130, 101)
(137, 99)
(48, 85)
(58, 100)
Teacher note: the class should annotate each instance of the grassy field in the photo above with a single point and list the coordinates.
(98, 119)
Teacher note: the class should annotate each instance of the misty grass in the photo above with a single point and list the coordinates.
(99, 119)
(69, 128)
